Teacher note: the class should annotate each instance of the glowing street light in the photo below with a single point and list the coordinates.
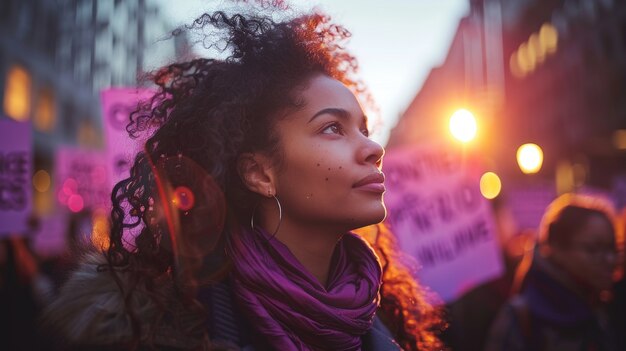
(463, 125)
(17, 94)
(490, 185)
(529, 158)
(41, 181)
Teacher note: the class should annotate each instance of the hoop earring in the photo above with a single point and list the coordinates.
(280, 217)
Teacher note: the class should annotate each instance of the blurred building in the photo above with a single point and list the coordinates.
(550, 72)
(56, 56)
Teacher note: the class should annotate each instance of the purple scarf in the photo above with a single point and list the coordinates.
(287, 304)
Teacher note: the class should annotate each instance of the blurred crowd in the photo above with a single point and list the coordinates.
(563, 286)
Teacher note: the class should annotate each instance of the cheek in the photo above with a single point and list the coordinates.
(315, 175)
(320, 182)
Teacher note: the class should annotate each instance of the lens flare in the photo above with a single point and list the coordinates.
(183, 198)
(192, 207)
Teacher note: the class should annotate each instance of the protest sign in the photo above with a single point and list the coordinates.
(117, 105)
(528, 202)
(440, 217)
(81, 179)
(16, 169)
(51, 239)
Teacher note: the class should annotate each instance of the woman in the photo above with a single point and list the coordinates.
(562, 303)
(233, 230)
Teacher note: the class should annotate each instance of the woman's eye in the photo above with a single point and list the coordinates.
(365, 132)
(332, 129)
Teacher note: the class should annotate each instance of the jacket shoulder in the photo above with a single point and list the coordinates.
(91, 309)
(379, 338)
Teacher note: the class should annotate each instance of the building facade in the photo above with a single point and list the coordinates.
(549, 72)
(56, 56)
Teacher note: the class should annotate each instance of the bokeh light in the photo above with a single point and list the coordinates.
(45, 113)
(619, 139)
(75, 203)
(463, 125)
(183, 198)
(549, 38)
(529, 158)
(70, 186)
(17, 93)
(523, 61)
(531, 53)
(490, 185)
(538, 49)
(564, 177)
(41, 181)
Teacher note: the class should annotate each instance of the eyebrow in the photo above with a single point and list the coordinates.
(339, 112)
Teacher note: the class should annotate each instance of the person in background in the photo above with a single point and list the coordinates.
(24, 292)
(563, 297)
(233, 230)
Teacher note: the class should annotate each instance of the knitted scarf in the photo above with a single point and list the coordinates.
(290, 308)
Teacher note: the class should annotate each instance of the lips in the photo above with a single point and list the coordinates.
(373, 182)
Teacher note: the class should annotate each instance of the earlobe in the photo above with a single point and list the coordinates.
(255, 172)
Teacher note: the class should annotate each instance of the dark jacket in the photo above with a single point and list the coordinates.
(90, 314)
(550, 314)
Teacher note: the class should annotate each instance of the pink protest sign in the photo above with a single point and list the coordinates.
(441, 219)
(16, 169)
(117, 105)
(81, 179)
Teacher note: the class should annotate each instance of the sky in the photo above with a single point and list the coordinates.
(396, 42)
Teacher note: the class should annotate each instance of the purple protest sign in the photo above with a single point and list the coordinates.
(16, 169)
(440, 218)
(117, 104)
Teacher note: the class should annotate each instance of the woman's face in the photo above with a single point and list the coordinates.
(329, 170)
(591, 255)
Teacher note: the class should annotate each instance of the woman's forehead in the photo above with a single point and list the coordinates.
(326, 92)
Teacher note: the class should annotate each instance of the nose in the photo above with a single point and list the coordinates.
(371, 152)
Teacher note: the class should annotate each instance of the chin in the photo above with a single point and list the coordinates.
(372, 216)
(381, 216)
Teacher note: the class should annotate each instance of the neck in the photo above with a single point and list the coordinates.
(312, 245)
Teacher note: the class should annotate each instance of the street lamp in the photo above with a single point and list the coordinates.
(529, 158)
(463, 125)
(490, 185)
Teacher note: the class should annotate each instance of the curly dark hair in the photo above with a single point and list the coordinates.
(406, 308)
(205, 114)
